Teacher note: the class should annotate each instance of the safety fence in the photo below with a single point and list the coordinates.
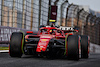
(87, 23)
(5, 33)
(30, 14)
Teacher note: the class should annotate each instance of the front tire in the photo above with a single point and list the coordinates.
(16, 44)
(73, 47)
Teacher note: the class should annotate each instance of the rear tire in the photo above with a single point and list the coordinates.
(84, 46)
(16, 44)
(72, 47)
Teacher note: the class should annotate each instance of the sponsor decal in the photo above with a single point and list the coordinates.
(40, 48)
(46, 36)
(44, 39)
(42, 43)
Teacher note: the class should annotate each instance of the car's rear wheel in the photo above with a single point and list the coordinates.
(84, 46)
(16, 44)
(73, 47)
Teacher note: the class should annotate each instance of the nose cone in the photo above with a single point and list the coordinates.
(43, 42)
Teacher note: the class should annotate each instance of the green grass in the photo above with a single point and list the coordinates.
(4, 48)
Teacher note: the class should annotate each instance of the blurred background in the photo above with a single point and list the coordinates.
(16, 15)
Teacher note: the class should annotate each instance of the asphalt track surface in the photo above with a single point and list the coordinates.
(31, 61)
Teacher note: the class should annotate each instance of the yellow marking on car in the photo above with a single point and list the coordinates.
(44, 39)
(56, 37)
(50, 30)
(52, 20)
(40, 48)
(26, 40)
(66, 43)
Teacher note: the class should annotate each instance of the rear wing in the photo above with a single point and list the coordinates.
(68, 29)
(65, 29)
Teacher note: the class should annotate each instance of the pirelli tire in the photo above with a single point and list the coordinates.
(84, 46)
(73, 47)
(16, 44)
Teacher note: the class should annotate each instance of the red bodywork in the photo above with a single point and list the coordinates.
(43, 42)
(46, 34)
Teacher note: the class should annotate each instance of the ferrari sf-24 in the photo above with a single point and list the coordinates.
(51, 42)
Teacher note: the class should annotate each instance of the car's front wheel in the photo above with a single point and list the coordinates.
(16, 44)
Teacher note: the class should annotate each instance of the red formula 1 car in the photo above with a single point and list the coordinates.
(50, 42)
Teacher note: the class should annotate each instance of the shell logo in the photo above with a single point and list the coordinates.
(44, 39)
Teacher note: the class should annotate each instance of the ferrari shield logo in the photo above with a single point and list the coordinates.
(40, 48)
